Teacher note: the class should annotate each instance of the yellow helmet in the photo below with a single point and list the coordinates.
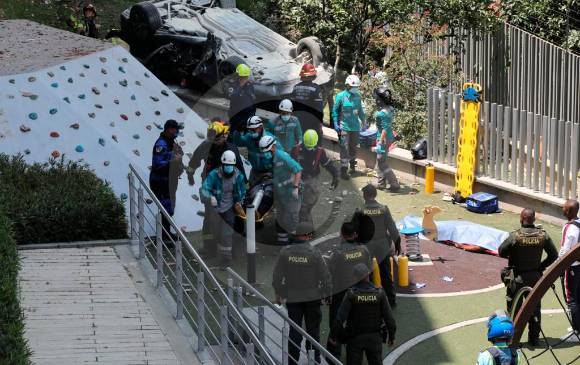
(243, 70)
(310, 139)
(219, 128)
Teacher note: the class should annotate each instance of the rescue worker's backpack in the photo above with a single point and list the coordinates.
(496, 354)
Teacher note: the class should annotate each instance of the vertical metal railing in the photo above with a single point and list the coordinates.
(528, 150)
(222, 333)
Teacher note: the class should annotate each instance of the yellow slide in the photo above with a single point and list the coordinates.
(467, 141)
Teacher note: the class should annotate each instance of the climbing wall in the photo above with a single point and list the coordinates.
(105, 109)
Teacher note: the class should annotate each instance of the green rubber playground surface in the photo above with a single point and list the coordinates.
(416, 316)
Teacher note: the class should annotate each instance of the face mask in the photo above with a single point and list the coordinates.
(255, 135)
(310, 149)
(354, 90)
(285, 118)
(268, 155)
(228, 169)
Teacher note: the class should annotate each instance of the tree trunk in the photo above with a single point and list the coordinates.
(337, 56)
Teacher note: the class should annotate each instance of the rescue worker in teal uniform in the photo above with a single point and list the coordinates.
(286, 127)
(500, 331)
(384, 122)
(348, 116)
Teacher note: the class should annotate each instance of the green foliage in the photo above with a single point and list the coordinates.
(13, 347)
(58, 201)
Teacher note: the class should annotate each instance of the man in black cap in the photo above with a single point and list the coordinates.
(377, 229)
(369, 321)
(166, 167)
(345, 256)
(301, 279)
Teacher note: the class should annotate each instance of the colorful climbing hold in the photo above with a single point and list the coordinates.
(116, 101)
(74, 126)
(103, 71)
(182, 143)
(164, 92)
(12, 81)
(124, 117)
(159, 126)
(50, 74)
(95, 91)
(138, 83)
(121, 69)
(200, 135)
(138, 113)
(180, 110)
(123, 83)
(98, 106)
(82, 74)
(10, 97)
(66, 99)
(31, 79)
(114, 137)
(125, 60)
(137, 153)
(103, 59)
(33, 116)
(157, 112)
(54, 134)
(200, 213)
(105, 85)
(124, 196)
(102, 142)
(54, 84)
(55, 154)
(53, 111)
(148, 127)
(86, 66)
(106, 163)
(79, 148)
(133, 97)
(92, 115)
(82, 96)
(27, 151)
(112, 124)
(155, 99)
(135, 136)
(24, 128)
(146, 75)
(70, 80)
(62, 67)
(195, 197)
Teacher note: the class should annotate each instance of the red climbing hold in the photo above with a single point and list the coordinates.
(55, 154)
(124, 117)
(54, 134)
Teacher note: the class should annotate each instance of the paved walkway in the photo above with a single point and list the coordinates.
(82, 306)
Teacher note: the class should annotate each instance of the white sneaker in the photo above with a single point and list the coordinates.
(571, 336)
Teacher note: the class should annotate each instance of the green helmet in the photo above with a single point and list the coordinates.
(310, 139)
(243, 70)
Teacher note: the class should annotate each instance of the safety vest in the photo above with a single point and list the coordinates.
(365, 313)
(375, 230)
(344, 261)
(526, 254)
(301, 272)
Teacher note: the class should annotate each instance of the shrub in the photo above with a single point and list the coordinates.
(58, 201)
(13, 347)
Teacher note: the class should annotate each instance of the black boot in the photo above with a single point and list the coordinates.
(344, 173)
(352, 167)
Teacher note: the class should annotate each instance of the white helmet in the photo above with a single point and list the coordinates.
(286, 106)
(254, 122)
(352, 81)
(229, 158)
(266, 143)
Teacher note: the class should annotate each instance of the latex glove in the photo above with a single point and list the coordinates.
(213, 201)
(334, 184)
(296, 193)
(380, 149)
(240, 212)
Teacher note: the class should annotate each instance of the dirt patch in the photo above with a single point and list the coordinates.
(27, 46)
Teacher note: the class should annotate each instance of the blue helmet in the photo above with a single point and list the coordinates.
(500, 327)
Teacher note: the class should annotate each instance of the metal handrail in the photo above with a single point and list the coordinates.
(230, 308)
(265, 301)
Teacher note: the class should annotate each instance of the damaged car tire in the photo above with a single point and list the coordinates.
(144, 20)
(312, 46)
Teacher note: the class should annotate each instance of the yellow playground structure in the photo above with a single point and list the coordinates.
(467, 141)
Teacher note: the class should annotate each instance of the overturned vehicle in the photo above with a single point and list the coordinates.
(199, 44)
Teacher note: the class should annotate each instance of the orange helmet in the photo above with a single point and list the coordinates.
(308, 70)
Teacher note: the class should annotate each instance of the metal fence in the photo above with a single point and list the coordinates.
(516, 68)
(515, 146)
(225, 332)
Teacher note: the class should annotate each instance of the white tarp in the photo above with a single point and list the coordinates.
(108, 94)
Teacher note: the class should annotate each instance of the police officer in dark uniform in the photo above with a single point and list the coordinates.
(166, 167)
(369, 321)
(345, 256)
(523, 249)
(301, 280)
(377, 229)
(242, 99)
(307, 98)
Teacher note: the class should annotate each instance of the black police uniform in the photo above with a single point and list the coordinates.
(307, 99)
(377, 229)
(302, 278)
(523, 249)
(341, 264)
(366, 310)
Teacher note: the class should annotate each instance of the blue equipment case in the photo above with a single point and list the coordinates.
(483, 203)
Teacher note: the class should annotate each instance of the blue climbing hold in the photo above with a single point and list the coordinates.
(146, 75)
(54, 84)
(133, 97)
(124, 196)
(12, 81)
(53, 111)
(121, 69)
(106, 85)
(82, 96)
(86, 66)
(33, 116)
(63, 68)
(79, 148)
(136, 136)
(66, 99)
(70, 80)
(102, 142)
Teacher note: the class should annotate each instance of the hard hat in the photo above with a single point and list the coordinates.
(254, 122)
(382, 94)
(308, 70)
(266, 143)
(243, 70)
(218, 128)
(500, 326)
(352, 81)
(286, 106)
(228, 158)
(310, 138)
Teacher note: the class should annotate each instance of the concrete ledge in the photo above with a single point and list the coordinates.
(78, 244)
